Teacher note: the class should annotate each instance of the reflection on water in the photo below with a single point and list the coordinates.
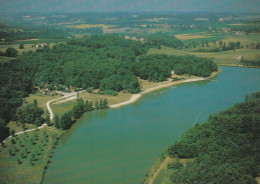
(87, 117)
(119, 145)
(100, 114)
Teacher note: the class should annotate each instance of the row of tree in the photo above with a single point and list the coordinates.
(67, 119)
(253, 62)
(225, 149)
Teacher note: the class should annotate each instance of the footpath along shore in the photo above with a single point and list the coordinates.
(135, 97)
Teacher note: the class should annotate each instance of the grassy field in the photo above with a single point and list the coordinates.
(17, 127)
(25, 159)
(243, 39)
(27, 47)
(61, 108)
(41, 99)
(86, 26)
(221, 58)
(191, 36)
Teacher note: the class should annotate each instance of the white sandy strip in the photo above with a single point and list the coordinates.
(135, 97)
(131, 100)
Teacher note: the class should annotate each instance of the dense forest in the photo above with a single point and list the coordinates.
(226, 148)
(158, 67)
(110, 63)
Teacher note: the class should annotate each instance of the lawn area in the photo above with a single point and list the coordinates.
(25, 159)
(61, 108)
(41, 99)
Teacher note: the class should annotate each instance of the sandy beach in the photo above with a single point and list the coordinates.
(135, 97)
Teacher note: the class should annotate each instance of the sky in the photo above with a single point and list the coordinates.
(72, 6)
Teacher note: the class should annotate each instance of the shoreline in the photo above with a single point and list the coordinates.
(241, 66)
(136, 97)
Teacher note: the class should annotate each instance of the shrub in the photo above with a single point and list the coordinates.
(110, 92)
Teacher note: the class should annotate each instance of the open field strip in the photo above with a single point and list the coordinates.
(86, 26)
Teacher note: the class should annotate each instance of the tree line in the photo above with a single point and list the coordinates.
(68, 119)
(225, 149)
(252, 62)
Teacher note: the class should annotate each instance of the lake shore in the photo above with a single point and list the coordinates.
(135, 97)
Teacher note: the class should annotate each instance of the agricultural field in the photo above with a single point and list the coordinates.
(18, 127)
(25, 157)
(86, 26)
(221, 58)
(191, 36)
(230, 57)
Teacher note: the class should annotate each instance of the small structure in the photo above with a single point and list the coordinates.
(96, 91)
(239, 58)
(41, 45)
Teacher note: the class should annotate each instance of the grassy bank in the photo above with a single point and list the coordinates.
(160, 172)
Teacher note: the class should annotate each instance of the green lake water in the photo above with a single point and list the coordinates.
(119, 146)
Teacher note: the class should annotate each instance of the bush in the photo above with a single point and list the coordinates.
(110, 92)
(89, 90)
(11, 52)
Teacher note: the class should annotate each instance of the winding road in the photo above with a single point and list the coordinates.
(66, 95)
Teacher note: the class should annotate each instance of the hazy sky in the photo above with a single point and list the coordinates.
(129, 5)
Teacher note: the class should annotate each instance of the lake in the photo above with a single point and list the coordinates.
(119, 146)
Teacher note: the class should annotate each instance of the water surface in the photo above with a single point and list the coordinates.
(119, 146)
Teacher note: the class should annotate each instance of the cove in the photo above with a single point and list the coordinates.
(119, 146)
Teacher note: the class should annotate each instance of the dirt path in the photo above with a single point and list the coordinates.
(166, 160)
(22, 132)
(68, 96)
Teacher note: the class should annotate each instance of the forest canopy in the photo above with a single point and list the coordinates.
(107, 62)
